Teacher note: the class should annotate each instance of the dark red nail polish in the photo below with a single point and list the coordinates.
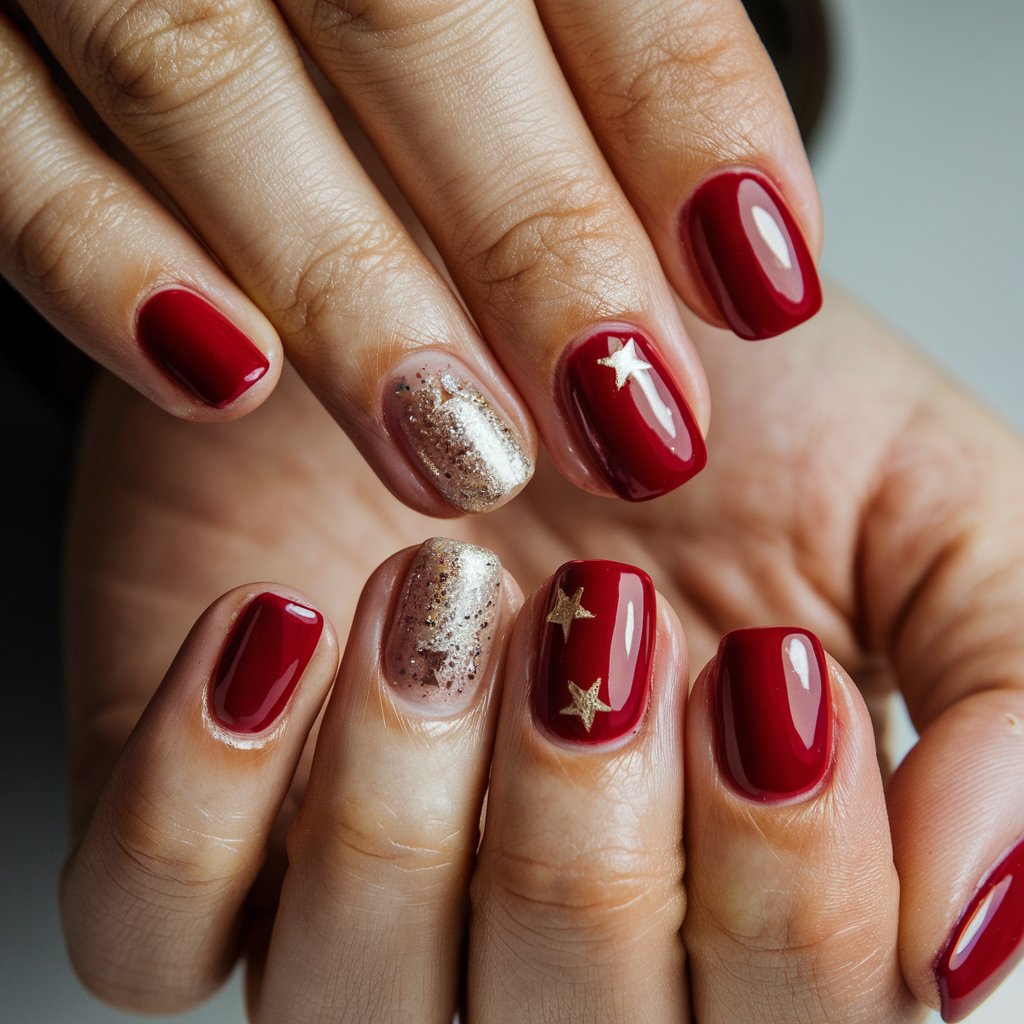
(988, 941)
(596, 651)
(265, 655)
(751, 254)
(773, 711)
(631, 414)
(199, 346)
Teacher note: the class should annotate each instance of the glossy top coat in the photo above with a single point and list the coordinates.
(631, 413)
(596, 652)
(266, 653)
(988, 940)
(751, 254)
(773, 711)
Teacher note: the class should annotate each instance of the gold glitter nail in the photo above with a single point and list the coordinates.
(471, 454)
(445, 621)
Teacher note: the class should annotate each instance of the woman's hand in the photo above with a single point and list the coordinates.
(571, 161)
(855, 493)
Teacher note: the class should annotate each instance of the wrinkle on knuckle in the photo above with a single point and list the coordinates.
(165, 865)
(360, 257)
(365, 845)
(336, 24)
(698, 87)
(567, 247)
(160, 56)
(52, 247)
(612, 894)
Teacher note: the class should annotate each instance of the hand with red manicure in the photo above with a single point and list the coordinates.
(860, 505)
(562, 169)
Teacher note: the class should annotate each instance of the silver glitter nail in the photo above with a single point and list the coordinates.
(444, 624)
(472, 455)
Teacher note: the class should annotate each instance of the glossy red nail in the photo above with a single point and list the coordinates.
(751, 254)
(631, 413)
(988, 941)
(773, 711)
(596, 651)
(199, 346)
(265, 655)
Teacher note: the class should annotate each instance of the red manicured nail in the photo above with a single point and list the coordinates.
(596, 650)
(266, 654)
(751, 254)
(773, 711)
(199, 346)
(987, 942)
(631, 413)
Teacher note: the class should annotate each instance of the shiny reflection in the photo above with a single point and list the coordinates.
(770, 232)
(802, 678)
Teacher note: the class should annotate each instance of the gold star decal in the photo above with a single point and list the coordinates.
(566, 609)
(626, 362)
(585, 704)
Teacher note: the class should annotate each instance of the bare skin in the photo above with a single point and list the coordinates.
(851, 489)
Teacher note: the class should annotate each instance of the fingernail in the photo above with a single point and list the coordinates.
(773, 711)
(631, 414)
(267, 651)
(199, 346)
(453, 433)
(444, 624)
(751, 254)
(593, 674)
(988, 941)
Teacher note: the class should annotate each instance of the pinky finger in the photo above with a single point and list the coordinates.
(153, 896)
(107, 264)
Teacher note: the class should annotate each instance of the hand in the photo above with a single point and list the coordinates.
(555, 157)
(854, 492)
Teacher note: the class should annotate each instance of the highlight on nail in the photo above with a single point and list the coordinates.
(988, 940)
(444, 624)
(595, 654)
(452, 431)
(267, 650)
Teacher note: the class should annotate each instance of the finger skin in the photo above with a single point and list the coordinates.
(577, 900)
(206, 94)
(489, 146)
(682, 96)
(153, 896)
(792, 899)
(371, 919)
(90, 248)
(947, 512)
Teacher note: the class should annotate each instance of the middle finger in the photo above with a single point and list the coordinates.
(467, 105)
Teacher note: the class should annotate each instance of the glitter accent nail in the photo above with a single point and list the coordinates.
(444, 624)
(474, 457)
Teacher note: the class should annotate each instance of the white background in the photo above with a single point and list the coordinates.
(919, 167)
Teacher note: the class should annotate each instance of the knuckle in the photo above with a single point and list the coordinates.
(586, 900)
(157, 56)
(369, 844)
(572, 247)
(169, 864)
(359, 257)
(379, 20)
(693, 82)
(51, 246)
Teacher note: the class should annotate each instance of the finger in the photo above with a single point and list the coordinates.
(947, 513)
(577, 897)
(152, 898)
(793, 898)
(107, 264)
(490, 147)
(210, 94)
(370, 925)
(688, 109)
